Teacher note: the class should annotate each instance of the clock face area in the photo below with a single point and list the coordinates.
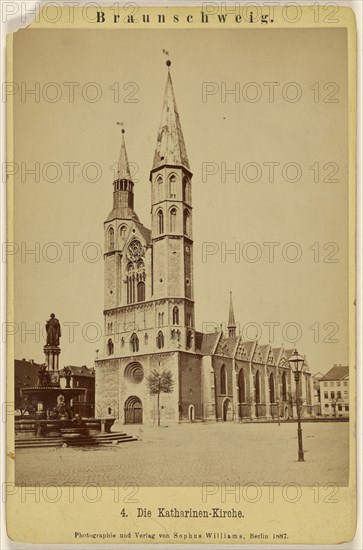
(135, 250)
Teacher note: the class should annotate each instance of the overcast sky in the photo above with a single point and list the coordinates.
(310, 132)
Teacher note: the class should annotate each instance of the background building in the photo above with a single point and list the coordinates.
(81, 377)
(315, 378)
(26, 375)
(334, 392)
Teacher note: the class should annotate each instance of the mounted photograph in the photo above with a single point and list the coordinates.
(182, 260)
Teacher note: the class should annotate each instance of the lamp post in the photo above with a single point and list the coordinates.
(278, 410)
(297, 362)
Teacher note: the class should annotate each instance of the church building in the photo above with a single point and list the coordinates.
(149, 311)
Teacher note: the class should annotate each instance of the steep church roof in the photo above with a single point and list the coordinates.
(205, 343)
(170, 146)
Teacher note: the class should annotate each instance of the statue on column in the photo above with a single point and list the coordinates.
(53, 329)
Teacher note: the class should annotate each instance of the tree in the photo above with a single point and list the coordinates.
(158, 383)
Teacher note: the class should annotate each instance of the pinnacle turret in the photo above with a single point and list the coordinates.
(231, 321)
(123, 187)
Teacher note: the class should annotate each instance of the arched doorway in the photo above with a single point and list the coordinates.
(133, 410)
(191, 413)
(226, 410)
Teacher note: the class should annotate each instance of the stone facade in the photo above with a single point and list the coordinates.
(149, 322)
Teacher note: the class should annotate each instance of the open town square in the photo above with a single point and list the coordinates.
(192, 454)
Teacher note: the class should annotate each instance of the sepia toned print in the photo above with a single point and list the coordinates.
(184, 214)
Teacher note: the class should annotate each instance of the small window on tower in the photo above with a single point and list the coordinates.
(159, 188)
(110, 347)
(160, 222)
(175, 315)
(160, 340)
(172, 186)
(123, 229)
(185, 189)
(173, 220)
(111, 239)
(134, 343)
(186, 223)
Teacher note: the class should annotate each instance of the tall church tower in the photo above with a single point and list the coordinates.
(116, 227)
(149, 303)
(171, 212)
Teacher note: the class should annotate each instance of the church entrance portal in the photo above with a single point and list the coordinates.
(227, 410)
(133, 410)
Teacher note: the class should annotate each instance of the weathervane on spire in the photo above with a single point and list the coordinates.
(168, 63)
(122, 126)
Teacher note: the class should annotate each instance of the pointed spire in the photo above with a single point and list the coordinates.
(123, 169)
(123, 194)
(170, 146)
(231, 322)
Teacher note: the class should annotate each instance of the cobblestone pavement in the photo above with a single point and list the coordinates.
(190, 454)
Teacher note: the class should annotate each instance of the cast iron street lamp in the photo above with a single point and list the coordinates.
(278, 410)
(297, 363)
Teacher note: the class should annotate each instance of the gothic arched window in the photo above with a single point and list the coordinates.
(185, 187)
(123, 229)
(223, 376)
(134, 343)
(284, 387)
(173, 220)
(186, 223)
(146, 339)
(271, 384)
(111, 239)
(159, 187)
(110, 347)
(172, 186)
(258, 387)
(160, 340)
(141, 291)
(135, 281)
(160, 218)
(175, 315)
(241, 387)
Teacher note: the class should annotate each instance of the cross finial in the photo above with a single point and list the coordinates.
(122, 128)
(168, 63)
